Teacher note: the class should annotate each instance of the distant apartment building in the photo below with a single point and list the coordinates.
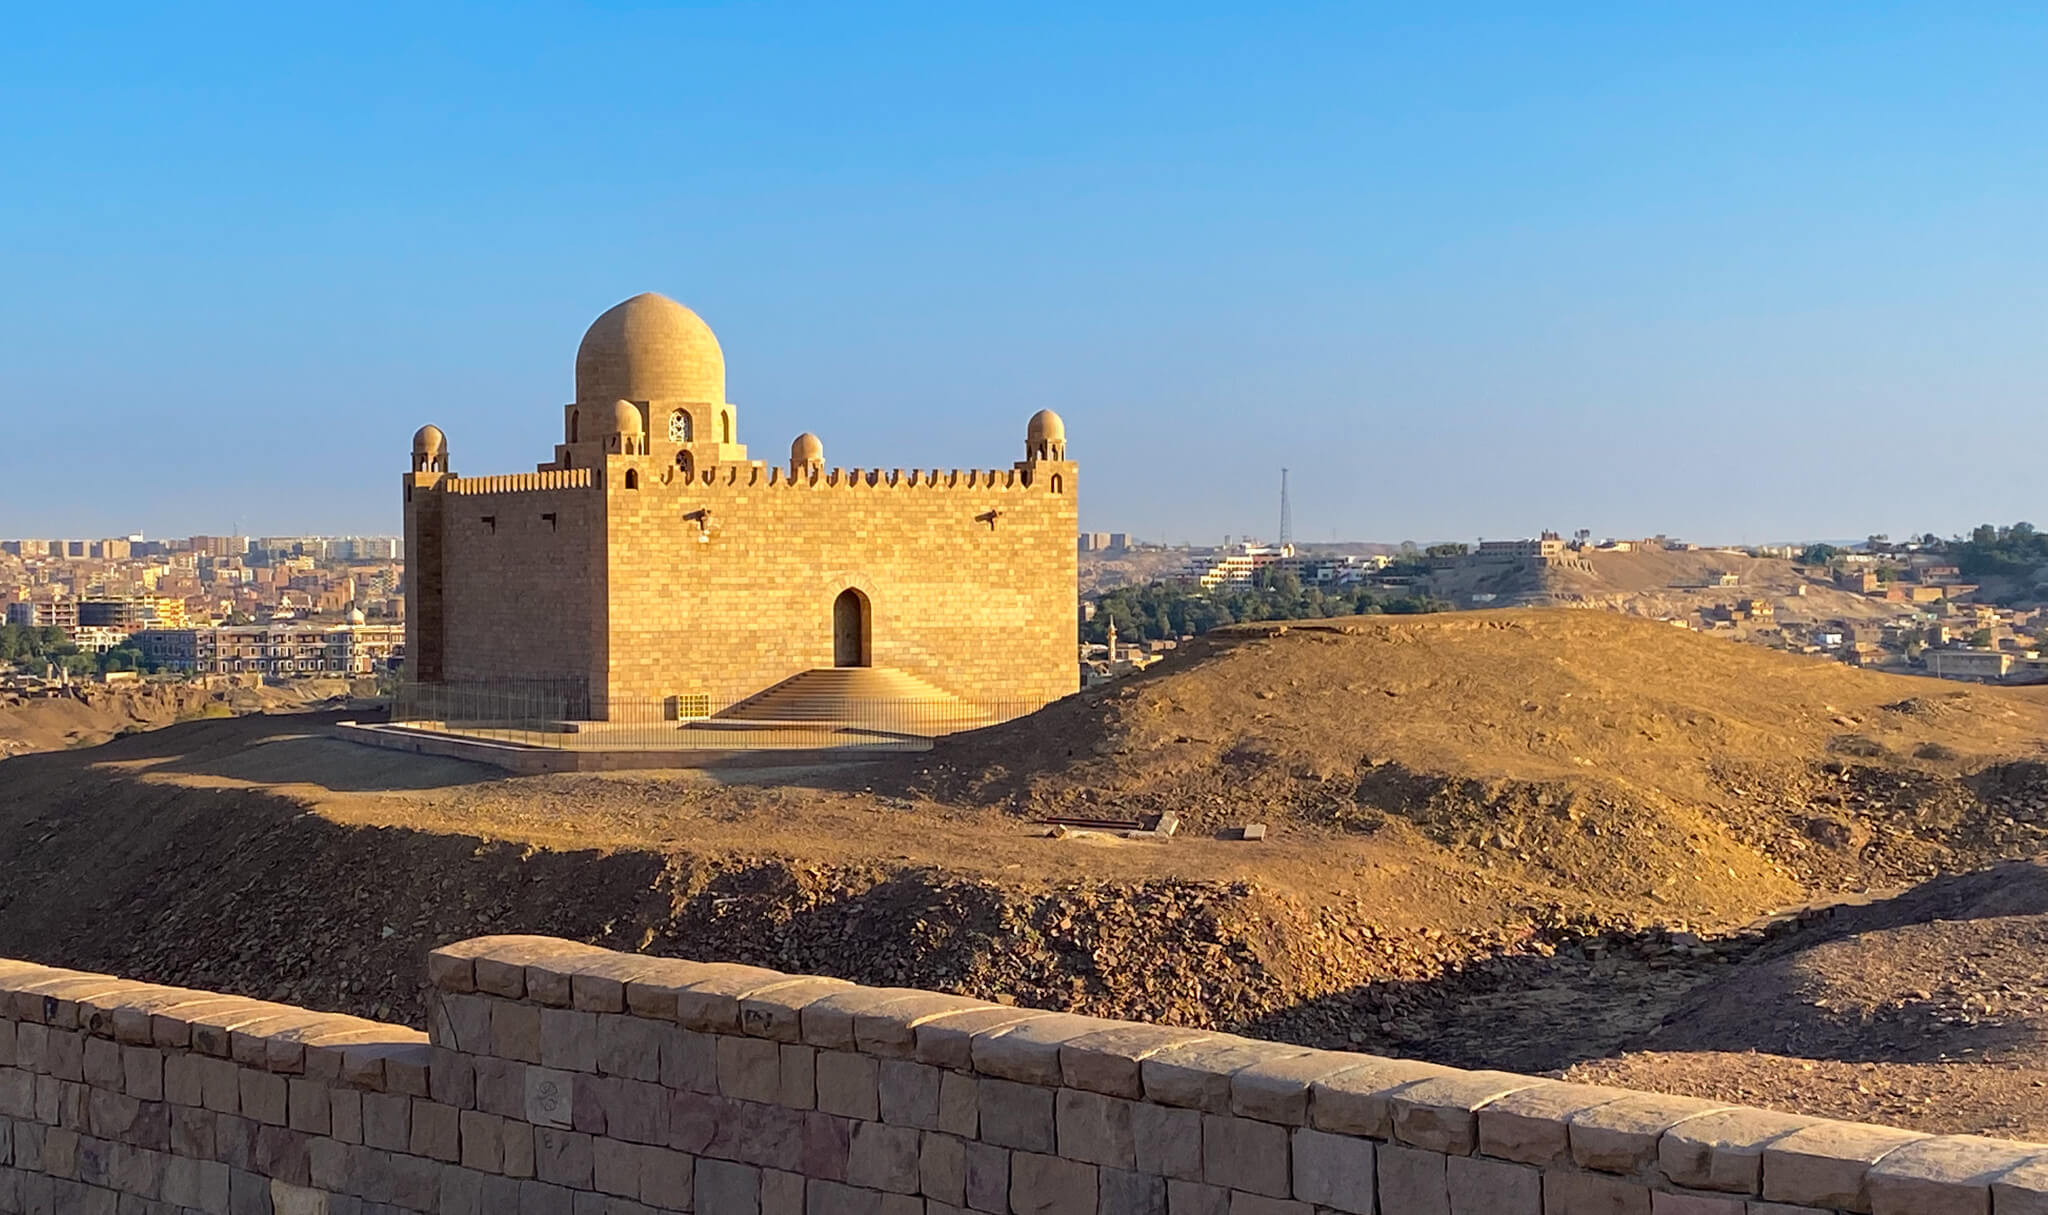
(132, 614)
(1548, 547)
(284, 650)
(1237, 566)
(45, 614)
(1104, 542)
(218, 546)
(1968, 664)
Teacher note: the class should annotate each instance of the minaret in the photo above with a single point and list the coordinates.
(1112, 640)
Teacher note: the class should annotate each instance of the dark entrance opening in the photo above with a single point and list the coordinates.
(850, 629)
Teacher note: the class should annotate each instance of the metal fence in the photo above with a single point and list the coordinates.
(561, 718)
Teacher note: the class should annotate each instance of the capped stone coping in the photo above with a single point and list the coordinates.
(1622, 1136)
(1824, 1165)
(1529, 1126)
(1725, 1151)
(1359, 1099)
(1944, 1175)
(1276, 1089)
(1441, 1113)
(891, 1033)
(1196, 1075)
(1029, 1051)
(949, 1041)
(2022, 1190)
(775, 1012)
(711, 1001)
(1108, 1061)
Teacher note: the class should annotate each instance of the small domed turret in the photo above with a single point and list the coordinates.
(429, 450)
(806, 454)
(626, 435)
(355, 616)
(1045, 438)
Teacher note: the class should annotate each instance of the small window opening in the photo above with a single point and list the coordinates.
(549, 517)
(724, 427)
(491, 521)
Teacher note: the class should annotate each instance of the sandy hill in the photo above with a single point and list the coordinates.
(1595, 751)
(90, 714)
(1485, 825)
(1660, 584)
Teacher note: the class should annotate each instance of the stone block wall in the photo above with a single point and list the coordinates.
(560, 1078)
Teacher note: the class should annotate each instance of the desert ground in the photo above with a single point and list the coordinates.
(1549, 841)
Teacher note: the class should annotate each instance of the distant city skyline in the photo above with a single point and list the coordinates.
(1736, 274)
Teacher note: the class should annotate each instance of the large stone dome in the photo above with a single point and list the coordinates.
(650, 348)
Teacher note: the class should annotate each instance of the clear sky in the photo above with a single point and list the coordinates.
(1730, 272)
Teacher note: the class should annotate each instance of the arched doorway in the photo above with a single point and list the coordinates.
(850, 629)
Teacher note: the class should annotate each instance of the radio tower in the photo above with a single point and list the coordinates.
(1286, 513)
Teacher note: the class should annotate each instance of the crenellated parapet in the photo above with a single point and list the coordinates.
(513, 483)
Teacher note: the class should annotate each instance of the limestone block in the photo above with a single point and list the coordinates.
(568, 1039)
(1492, 1187)
(1108, 1060)
(1440, 1113)
(848, 1085)
(1414, 1182)
(1048, 1185)
(667, 1178)
(1167, 1141)
(1029, 1051)
(387, 1121)
(1125, 1192)
(1016, 1115)
(796, 1076)
(988, 1178)
(307, 1107)
(725, 1188)
(775, 1011)
(948, 1041)
(1529, 1125)
(345, 1115)
(562, 1157)
(435, 1131)
(615, 1167)
(451, 1078)
(781, 1193)
(1823, 1164)
(501, 1087)
(296, 1200)
(515, 1031)
(1245, 1154)
(959, 1104)
(519, 1149)
(883, 1157)
(689, 1060)
(628, 1047)
(452, 968)
(1277, 1090)
(1943, 1175)
(749, 1069)
(598, 984)
(482, 1139)
(942, 1169)
(1095, 1128)
(910, 1093)
(890, 1032)
(1335, 1171)
(262, 1096)
(102, 1063)
(1569, 1193)
(550, 1097)
(827, 1022)
(1724, 1151)
(1358, 1101)
(1621, 1136)
(1195, 1198)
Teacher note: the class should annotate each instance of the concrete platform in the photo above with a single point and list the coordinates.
(523, 760)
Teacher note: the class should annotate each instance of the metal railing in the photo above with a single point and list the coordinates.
(562, 718)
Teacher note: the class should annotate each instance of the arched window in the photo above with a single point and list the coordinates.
(1058, 486)
(686, 465)
(633, 479)
(724, 426)
(574, 415)
(679, 427)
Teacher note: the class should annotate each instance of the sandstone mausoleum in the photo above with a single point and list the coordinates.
(651, 562)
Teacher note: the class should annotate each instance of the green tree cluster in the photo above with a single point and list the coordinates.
(31, 648)
(2000, 550)
(1159, 610)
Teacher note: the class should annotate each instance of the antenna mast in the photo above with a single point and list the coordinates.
(1286, 513)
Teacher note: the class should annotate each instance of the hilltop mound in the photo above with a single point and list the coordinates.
(1600, 752)
(90, 714)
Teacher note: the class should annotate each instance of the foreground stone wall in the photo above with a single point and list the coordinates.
(559, 1078)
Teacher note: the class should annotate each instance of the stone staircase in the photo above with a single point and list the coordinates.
(882, 699)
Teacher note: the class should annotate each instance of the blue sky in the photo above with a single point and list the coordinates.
(1735, 272)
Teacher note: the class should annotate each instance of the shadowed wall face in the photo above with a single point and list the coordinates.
(558, 1077)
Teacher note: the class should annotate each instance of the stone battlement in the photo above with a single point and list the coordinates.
(515, 483)
(558, 1077)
